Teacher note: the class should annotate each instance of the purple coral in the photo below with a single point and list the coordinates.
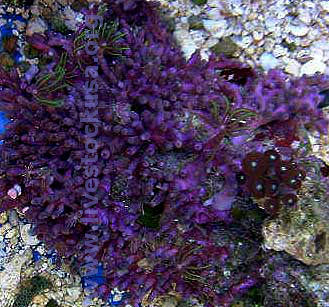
(171, 139)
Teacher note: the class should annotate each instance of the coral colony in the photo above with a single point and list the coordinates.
(123, 153)
(268, 177)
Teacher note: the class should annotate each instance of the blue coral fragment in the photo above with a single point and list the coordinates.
(92, 279)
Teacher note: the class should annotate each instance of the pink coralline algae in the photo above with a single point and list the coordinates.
(171, 134)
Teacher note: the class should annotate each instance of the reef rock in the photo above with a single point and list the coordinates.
(10, 276)
(303, 231)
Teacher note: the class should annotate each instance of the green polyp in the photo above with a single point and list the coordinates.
(52, 303)
(59, 25)
(6, 61)
(151, 216)
(199, 2)
(78, 5)
(16, 3)
(237, 213)
(30, 52)
(225, 46)
(52, 103)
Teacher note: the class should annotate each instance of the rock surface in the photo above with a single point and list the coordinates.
(302, 232)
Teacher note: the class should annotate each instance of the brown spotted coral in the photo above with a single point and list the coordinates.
(270, 180)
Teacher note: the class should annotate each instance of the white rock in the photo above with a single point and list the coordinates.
(73, 294)
(10, 276)
(298, 30)
(205, 54)
(237, 10)
(10, 9)
(210, 42)
(316, 54)
(3, 21)
(304, 16)
(185, 40)
(18, 188)
(310, 4)
(326, 56)
(195, 10)
(236, 3)
(13, 218)
(117, 297)
(243, 41)
(71, 18)
(326, 19)
(236, 29)
(214, 13)
(35, 25)
(198, 38)
(276, 31)
(184, 20)
(188, 48)
(293, 67)
(11, 233)
(250, 51)
(252, 16)
(271, 22)
(182, 25)
(280, 14)
(258, 35)
(41, 249)
(27, 238)
(290, 38)
(314, 34)
(269, 44)
(321, 44)
(325, 5)
(279, 51)
(181, 34)
(313, 66)
(268, 61)
(214, 3)
(303, 53)
(215, 27)
(249, 26)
